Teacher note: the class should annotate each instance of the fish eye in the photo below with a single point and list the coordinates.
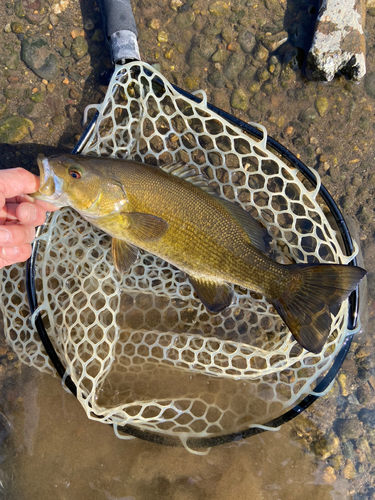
(75, 174)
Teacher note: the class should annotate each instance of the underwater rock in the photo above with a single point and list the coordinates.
(37, 56)
(246, 39)
(14, 128)
(234, 65)
(370, 84)
(367, 417)
(348, 429)
(239, 100)
(321, 104)
(201, 51)
(339, 42)
(218, 8)
(349, 471)
(79, 47)
(185, 20)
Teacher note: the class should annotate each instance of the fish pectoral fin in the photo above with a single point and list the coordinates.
(145, 227)
(215, 296)
(124, 255)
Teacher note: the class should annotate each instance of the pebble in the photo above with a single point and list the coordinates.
(58, 120)
(14, 128)
(75, 33)
(53, 19)
(239, 100)
(17, 27)
(308, 115)
(367, 416)
(349, 471)
(234, 65)
(261, 53)
(246, 39)
(7, 28)
(370, 84)
(321, 104)
(98, 36)
(185, 20)
(216, 79)
(51, 87)
(19, 10)
(37, 97)
(154, 24)
(79, 47)
(162, 37)
(218, 8)
(342, 379)
(37, 56)
(329, 475)
(219, 56)
(175, 5)
(348, 428)
(89, 25)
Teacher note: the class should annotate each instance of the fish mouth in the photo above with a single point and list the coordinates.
(50, 184)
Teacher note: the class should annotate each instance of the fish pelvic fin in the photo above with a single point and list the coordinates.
(124, 255)
(306, 309)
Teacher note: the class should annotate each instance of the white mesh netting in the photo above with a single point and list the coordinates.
(142, 349)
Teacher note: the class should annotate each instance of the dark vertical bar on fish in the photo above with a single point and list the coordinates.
(120, 30)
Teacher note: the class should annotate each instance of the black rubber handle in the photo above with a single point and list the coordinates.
(120, 30)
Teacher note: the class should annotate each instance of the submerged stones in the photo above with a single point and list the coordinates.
(36, 54)
(14, 128)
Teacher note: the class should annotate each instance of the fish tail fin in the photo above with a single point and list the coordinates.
(306, 305)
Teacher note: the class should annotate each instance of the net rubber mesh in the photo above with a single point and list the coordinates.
(142, 349)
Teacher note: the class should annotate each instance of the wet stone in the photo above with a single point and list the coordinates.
(367, 416)
(216, 79)
(19, 10)
(53, 19)
(17, 27)
(370, 84)
(239, 100)
(219, 56)
(97, 36)
(349, 471)
(37, 56)
(38, 97)
(321, 104)
(89, 25)
(329, 475)
(201, 51)
(14, 128)
(348, 429)
(12, 60)
(261, 53)
(234, 65)
(185, 20)
(58, 120)
(308, 115)
(348, 449)
(218, 8)
(246, 39)
(79, 47)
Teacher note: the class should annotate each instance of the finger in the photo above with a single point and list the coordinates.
(16, 234)
(30, 214)
(15, 181)
(11, 255)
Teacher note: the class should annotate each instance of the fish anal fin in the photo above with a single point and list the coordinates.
(124, 255)
(215, 296)
(257, 233)
(307, 308)
(145, 227)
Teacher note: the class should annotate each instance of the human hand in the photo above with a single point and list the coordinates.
(19, 214)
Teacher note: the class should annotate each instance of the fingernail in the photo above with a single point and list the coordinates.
(4, 235)
(33, 213)
(11, 251)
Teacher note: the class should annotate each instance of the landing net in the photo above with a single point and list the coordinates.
(141, 349)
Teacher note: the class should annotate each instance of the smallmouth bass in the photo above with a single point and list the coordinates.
(171, 212)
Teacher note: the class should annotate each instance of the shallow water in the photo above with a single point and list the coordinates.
(49, 447)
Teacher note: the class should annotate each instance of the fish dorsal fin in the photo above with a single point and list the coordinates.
(258, 234)
(187, 172)
(124, 255)
(215, 296)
